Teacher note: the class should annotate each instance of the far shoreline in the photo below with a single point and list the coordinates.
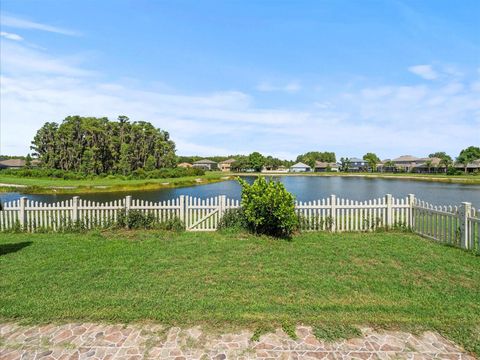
(59, 186)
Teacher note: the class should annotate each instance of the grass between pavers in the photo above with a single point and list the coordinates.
(333, 282)
(100, 184)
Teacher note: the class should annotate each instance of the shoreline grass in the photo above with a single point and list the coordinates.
(33, 185)
(389, 280)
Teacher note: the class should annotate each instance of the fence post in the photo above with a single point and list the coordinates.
(182, 208)
(388, 201)
(333, 204)
(22, 214)
(411, 217)
(128, 203)
(464, 215)
(223, 204)
(75, 209)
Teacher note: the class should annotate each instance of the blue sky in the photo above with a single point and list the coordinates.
(225, 77)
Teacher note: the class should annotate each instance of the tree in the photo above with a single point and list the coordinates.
(311, 157)
(256, 161)
(429, 164)
(240, 164)
(98, 145)
(468, 155)
(390, 165)
(151, 163)
(372, 159)
(438, 154)
(345, 164)
(28, 161)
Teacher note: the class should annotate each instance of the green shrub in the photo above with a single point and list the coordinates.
(269, 208)
(233, 219)
(135, 219)
(174, 224)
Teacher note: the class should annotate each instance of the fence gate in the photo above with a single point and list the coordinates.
(203, 214)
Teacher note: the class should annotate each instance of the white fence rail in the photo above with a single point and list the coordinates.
(455, 225)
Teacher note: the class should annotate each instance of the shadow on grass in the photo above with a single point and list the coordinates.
(12, 248)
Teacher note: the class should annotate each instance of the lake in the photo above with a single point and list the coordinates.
(305, 188)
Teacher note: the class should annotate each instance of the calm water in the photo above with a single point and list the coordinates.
(305, 188)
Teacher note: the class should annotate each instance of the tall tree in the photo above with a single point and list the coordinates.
(372, 160)
(468, 155)
(256, 161)
(98, 145)
(311, 157)
(345, 164)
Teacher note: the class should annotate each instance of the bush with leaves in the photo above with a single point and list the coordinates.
(269, 208)
(233, 219)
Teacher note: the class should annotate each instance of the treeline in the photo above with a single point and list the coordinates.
(254, 161)
(91, 145)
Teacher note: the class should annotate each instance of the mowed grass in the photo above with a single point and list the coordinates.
(390, 280)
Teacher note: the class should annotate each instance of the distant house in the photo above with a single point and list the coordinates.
(300, 167)
(226, 165)
(321, 166)
(357, 164)
(428, 165)
(185, 165)
(274, 169)
(471, 167)
(407, 162)
(205, 164)
(16, 163)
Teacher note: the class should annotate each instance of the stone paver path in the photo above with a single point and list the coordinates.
(96, 341)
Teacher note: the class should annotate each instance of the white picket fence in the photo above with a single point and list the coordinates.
(454, 225)
(458, 226)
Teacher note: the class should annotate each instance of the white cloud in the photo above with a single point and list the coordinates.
(22, 60)
(291, 87)
(19, 23)
(424, 71)
(11, 36)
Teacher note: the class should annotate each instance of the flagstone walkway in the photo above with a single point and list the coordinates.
(96, 341)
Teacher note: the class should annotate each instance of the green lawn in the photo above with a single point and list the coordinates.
(101, 184)
(222, 280)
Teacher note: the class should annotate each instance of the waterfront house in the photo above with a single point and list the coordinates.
(300, 167)
(474, 166)
(321, 166)
(406, 162)
(185, 165)
(274, 169)
(428, 165)
(226, 165)
(205, 164)
(357, 165)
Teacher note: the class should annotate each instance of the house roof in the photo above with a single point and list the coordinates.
(229, 161)
(474, 164)
(435, 161)
(355, 159)
(12, 163)
(205, 161)
(300, 165)
(406, 158)
(322, 164)
(184, 164)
